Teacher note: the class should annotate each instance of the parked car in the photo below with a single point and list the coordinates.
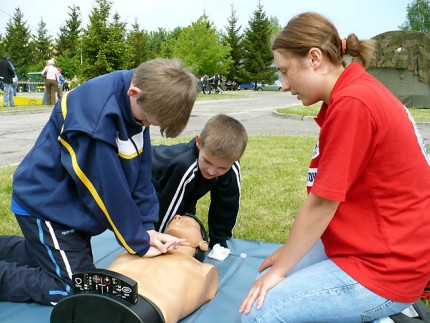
(248, 86)
(276, 86)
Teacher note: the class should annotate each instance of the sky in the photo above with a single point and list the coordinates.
(365, 18)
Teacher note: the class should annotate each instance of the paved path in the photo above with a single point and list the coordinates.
(255, 110)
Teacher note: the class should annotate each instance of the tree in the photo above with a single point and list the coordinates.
(69, 44)
(104, 48)
(120, 54)
(139, 45)
(157, 41)
(418, 16)
(199, 47)
(18, 43)
(275, 28)
(234, 40)
(258, 57)
(43, 49)
(69, 38)
(171, 39)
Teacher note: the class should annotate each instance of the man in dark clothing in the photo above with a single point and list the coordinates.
(7, 72)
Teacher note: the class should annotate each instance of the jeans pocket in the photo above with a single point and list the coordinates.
(382, 310)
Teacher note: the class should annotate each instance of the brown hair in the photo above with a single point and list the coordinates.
(168, 93)
(224, 136)
(309, 29)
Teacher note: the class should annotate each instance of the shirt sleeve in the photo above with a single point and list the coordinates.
(345, 145)
(224, 206)
(173, 190)
(102, 185)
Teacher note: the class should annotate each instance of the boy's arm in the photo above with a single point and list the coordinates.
(173, 193)
(103, 188)
(224, 207)
(172, 178)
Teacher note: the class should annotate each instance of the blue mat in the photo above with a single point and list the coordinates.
(236, 275)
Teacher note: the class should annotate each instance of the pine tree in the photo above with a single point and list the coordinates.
(104, 47)
(234, 40)
(43, 49)
(157, 41)
(69, 38)
(18, 43)
(138, 40)
(258, 57)
(171, 39)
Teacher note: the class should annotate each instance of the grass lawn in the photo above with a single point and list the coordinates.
(274, 170)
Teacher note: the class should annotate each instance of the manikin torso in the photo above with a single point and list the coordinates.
(176, 282)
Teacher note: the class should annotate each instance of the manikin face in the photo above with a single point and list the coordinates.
(298, 77)
(138, 112)
(210, 165)
(186, 227)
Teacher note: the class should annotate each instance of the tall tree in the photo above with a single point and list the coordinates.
(138, 40)
(234, 39)
(418, 16)
(171, 39)
(120, 54)
(103, 43)
(69, 44)
(157, 42)
(69, 38)
(43, 48)
(18, 43)
(199, 46)
(258, 57)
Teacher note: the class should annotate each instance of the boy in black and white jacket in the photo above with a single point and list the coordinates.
(183, 173)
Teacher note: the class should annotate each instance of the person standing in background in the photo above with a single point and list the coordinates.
(61, 83)
(7, 71)
(51, 75)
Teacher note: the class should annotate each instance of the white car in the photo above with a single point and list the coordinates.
(276, 86)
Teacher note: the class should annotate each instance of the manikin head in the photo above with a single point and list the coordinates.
(188, 226)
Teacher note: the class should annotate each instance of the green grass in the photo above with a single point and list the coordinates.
(419, 115)
(274, 172)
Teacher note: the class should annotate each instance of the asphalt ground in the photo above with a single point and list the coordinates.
(256, 110)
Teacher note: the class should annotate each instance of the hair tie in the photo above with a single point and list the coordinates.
(343, 46)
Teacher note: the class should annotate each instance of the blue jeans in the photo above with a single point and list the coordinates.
(317, 290)
(8, 95)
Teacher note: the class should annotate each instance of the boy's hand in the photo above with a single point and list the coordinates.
(162, 243)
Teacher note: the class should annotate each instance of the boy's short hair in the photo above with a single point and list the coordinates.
(168, 93)
(225, 137)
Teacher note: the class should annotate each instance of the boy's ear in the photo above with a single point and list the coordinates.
(198, 141)
(133, 91)
(203, 245)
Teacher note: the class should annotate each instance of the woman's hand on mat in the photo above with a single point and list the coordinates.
(269, 261)
(259, 290)
(164, 242)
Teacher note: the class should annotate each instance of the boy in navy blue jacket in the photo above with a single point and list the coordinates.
(90, 171)
(183, 173)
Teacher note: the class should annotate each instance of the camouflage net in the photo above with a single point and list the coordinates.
(403, 49)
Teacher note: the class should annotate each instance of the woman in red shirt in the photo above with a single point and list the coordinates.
(358, 249)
